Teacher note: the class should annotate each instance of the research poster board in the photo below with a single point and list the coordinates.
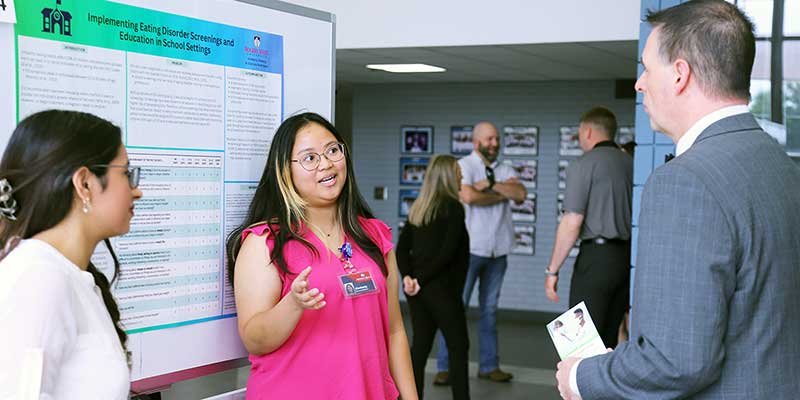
(198, 89)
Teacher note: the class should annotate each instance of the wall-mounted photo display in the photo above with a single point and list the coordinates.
(562, 173)
(461, 139)
(406, 198)
(570, 146)
(625, 134)
(520, 140)
(416, 140)
(525, 211)
(524, 240)
(412, 170)
(526, 170)
(559, 206)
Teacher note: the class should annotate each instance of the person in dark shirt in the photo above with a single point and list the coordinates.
(433, 255)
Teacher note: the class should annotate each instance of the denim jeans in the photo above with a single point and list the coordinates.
(490, 271)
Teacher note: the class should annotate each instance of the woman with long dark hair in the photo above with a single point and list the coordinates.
(433, 255)
(315, 278)
(65, 186)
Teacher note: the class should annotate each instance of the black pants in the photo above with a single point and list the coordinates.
(440, 307)
(601, 279)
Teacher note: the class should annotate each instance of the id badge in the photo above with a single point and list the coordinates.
(357, 284)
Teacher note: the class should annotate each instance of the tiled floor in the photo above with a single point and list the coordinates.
(525, 351)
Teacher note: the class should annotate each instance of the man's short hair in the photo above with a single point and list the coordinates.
(602, 117)
(717, 40)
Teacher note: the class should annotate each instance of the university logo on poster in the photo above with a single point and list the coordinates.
(57, 20)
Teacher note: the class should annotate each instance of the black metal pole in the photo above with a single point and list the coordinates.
(776, 62)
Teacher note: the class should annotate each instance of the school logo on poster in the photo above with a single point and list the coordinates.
(57, 20)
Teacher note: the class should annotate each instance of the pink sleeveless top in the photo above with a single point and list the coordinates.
(340, 351)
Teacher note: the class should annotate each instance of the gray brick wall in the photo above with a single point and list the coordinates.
(379, 111)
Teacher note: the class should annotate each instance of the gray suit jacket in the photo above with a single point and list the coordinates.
(716, 308)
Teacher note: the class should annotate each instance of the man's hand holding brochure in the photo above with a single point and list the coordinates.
(575, 337)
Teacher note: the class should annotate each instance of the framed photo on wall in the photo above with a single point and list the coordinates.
(406, 198)
(562, 173)
(461, 139)
(416, 140)
(524, 240)
(569, 146)
(520, 140)
(412, 170)
(526, 169)
(525, 211)
(559, 206)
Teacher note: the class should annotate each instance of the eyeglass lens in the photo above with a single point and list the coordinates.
(310, 161)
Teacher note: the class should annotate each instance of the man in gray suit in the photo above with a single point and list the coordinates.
(716, 307)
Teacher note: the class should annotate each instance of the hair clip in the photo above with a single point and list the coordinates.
(8, 206)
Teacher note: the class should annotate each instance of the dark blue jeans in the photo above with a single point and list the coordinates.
(490, 271)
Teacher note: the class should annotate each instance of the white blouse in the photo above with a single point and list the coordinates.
(56, 336)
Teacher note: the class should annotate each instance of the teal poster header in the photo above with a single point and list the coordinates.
(139, 30)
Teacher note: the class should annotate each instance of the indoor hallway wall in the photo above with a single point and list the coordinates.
(379, 111)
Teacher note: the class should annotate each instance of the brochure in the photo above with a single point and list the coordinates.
(574, 334)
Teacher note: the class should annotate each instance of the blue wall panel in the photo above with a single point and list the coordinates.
(642, 164)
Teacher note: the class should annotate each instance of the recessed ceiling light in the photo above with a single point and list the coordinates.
(406, 68)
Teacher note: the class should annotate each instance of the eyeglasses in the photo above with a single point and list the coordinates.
(310, 161)
(133, 173)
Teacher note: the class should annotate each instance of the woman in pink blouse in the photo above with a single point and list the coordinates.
(315, 278)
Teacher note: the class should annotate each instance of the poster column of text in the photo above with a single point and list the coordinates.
(172, 256)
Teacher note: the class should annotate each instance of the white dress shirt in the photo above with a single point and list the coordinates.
(684, 143)
(57, 340)
(491, 233)
(687, 140)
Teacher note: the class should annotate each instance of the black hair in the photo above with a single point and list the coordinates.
(269, 206)
(42, 155)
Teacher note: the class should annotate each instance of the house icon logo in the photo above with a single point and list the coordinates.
(55, 20)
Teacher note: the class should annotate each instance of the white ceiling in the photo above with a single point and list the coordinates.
(524, 62)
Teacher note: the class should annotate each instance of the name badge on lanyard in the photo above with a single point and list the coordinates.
(354, 283)
(357, 284)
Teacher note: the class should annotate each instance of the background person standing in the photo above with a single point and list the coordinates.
(433, 255)
(597, 210)
(486, 188)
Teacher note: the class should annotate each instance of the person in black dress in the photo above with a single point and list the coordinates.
(433, 255)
